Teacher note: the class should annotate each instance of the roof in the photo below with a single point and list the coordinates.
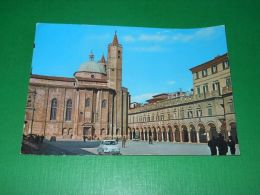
(92, 66)
(208, 64)
(161, 94)
(52, 78)
(102, 60)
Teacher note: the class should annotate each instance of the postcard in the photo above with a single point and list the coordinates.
(114, 90)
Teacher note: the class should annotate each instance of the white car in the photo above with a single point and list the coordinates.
(108, 147)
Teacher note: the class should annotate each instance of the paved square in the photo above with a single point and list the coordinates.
(69, 147)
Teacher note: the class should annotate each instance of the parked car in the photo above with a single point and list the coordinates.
(108, 147)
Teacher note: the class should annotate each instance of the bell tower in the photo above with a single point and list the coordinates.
(115, 64)
(114, 72)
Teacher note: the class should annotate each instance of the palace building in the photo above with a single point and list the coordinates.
(93, 103)
(185, 117)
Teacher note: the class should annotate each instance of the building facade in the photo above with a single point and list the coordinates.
(193, 118)
(93, 103)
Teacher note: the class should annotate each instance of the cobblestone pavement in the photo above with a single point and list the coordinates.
(72, 147)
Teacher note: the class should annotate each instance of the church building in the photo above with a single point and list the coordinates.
(93, 103)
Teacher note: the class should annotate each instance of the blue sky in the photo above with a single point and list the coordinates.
(155, 60)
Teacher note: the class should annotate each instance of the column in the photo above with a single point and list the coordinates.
(181, 133)
(208, 138)
(198, 137)
(229, 133)
(189, 136)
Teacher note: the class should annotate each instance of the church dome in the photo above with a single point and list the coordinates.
(92, 66)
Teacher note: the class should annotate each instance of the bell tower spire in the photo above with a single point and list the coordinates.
(115, 40)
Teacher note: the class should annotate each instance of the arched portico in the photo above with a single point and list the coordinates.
(193, 134)
(185, 134)
(145, 134)
(177, 133)
(154, 134)
(170, 134)
(202, 134)
(150, 133)
(137, 133)
(164, 133)
(159, 134)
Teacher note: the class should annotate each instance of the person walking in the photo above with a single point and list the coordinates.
(232, 145)
(123, 142)
(213, 146)
(222, 145)
(150, 140)
(84, 138)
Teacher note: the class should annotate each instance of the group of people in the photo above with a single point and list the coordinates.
(123, 141)
(34, 138)
(221, 145)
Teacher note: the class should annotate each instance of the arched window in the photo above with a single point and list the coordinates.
(53, 109)
(104, 103)
(87, 102)
(68, 110)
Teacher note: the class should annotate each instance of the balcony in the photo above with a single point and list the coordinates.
(227, 89)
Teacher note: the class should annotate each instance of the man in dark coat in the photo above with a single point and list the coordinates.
(150, 139)
(222, 145)
(232, 145)
(213, 146)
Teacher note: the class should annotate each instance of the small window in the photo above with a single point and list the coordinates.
(162, 117)
(92, 76)
(198, 90)
(182, 113)
(204, 72)
(205, 89)
(197, 75)
(174, 115)
(225, 65)
(215, 86)
(87, 102)
(68, 110)
(210, 111)
(231, 106)
(199, 113)
(53, 109)
(214, 69)
(119, 54)
(190, 114)
(228, 82)
(104, 103)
